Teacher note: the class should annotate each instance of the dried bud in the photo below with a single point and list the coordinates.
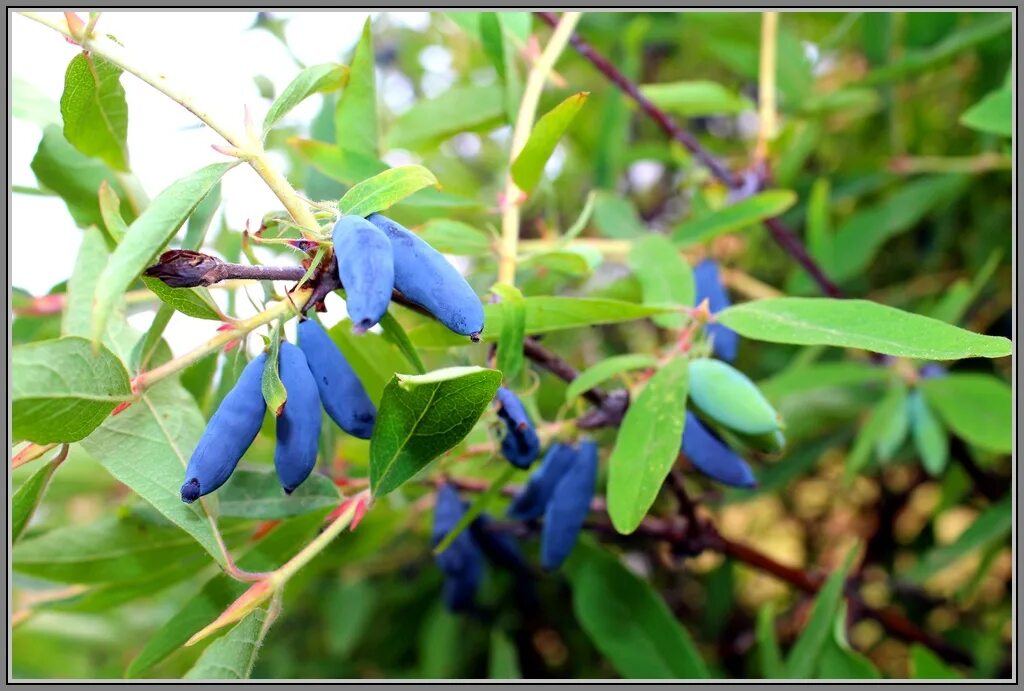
(184, 269)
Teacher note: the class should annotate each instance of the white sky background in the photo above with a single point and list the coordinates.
(217, 57)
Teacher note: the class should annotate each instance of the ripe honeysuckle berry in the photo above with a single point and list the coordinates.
(534, 497)
(462, 562)
(341, 392)
(366, 268)
(228, 435)
(501, 548)
(423, 275)
(710, 455)
(709, 286)
(520, 445)
(298, 425)
(568, 507)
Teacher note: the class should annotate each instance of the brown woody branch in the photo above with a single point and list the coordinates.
(782, 235)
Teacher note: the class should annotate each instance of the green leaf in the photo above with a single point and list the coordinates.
(859, 238)
(75, 177)
(503, 661)
(271, 385)
(496, 30)
(192, 302)
(734, 217)
(894, 422)
(819, 226)
(616, 217)
(395, 332)
(666, 278)
(341, 164)
(858, 324)
(577, 262)
(355, 118)
(312, 80)
(628, 621)
(110, 209)
(29, 495)
(871, 431)
(111, 549)
(460, 109)
(928, 434)
(544, 314)
(981, 29)
(992, 114)
(257, 494)
(422, 416)
(820, 376)
(147, 447)
(924, 664)
(994, 525)
(803, 656)
(61, 390)
(838, 660)
(768, 652)
(221, 590)
(694, 98)
(147, 235)
(647, 445)
(94, 109)
(199, 222)
(605, 370)
(513, 331)
(32, 105)
(455, 237)
(977, 407)
(529, 164)
(350, 607)
(385, 189)
(233, 655)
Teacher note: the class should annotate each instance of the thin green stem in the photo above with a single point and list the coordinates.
(248, 147)
(279, 577)
(520, 134)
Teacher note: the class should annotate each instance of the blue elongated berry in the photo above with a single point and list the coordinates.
(568, 508)
(501, 548)
(228, 435)
(724, 341)
(520, 446)
(341, 392)
(712, 457)
(298, 425)
(366, 269)
(424, 276)
(462, 562)
(534, 497)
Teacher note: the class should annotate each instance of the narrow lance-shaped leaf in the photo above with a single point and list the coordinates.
(993, 525)
(666, 277)
(803, 656)
(605, 370)
(529, 164)
(422, 416)
(30, 494)
(315, 79)
(385, 189)
(395, 332)
(733, 217)
(460, 109)
(233, 655)
(858, 324)
(355, 119)
(628, 620)
(513, 331)
(61, 390)
(977, 407)
(694, 98)
(992, 114)
(147, 235)
(647, 445)
(94, 109)
(271, 385)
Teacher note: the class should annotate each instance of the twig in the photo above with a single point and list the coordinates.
(512, 197)
(766, 85)
(779, 232)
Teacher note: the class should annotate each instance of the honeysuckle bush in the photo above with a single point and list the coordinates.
(666, 454)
